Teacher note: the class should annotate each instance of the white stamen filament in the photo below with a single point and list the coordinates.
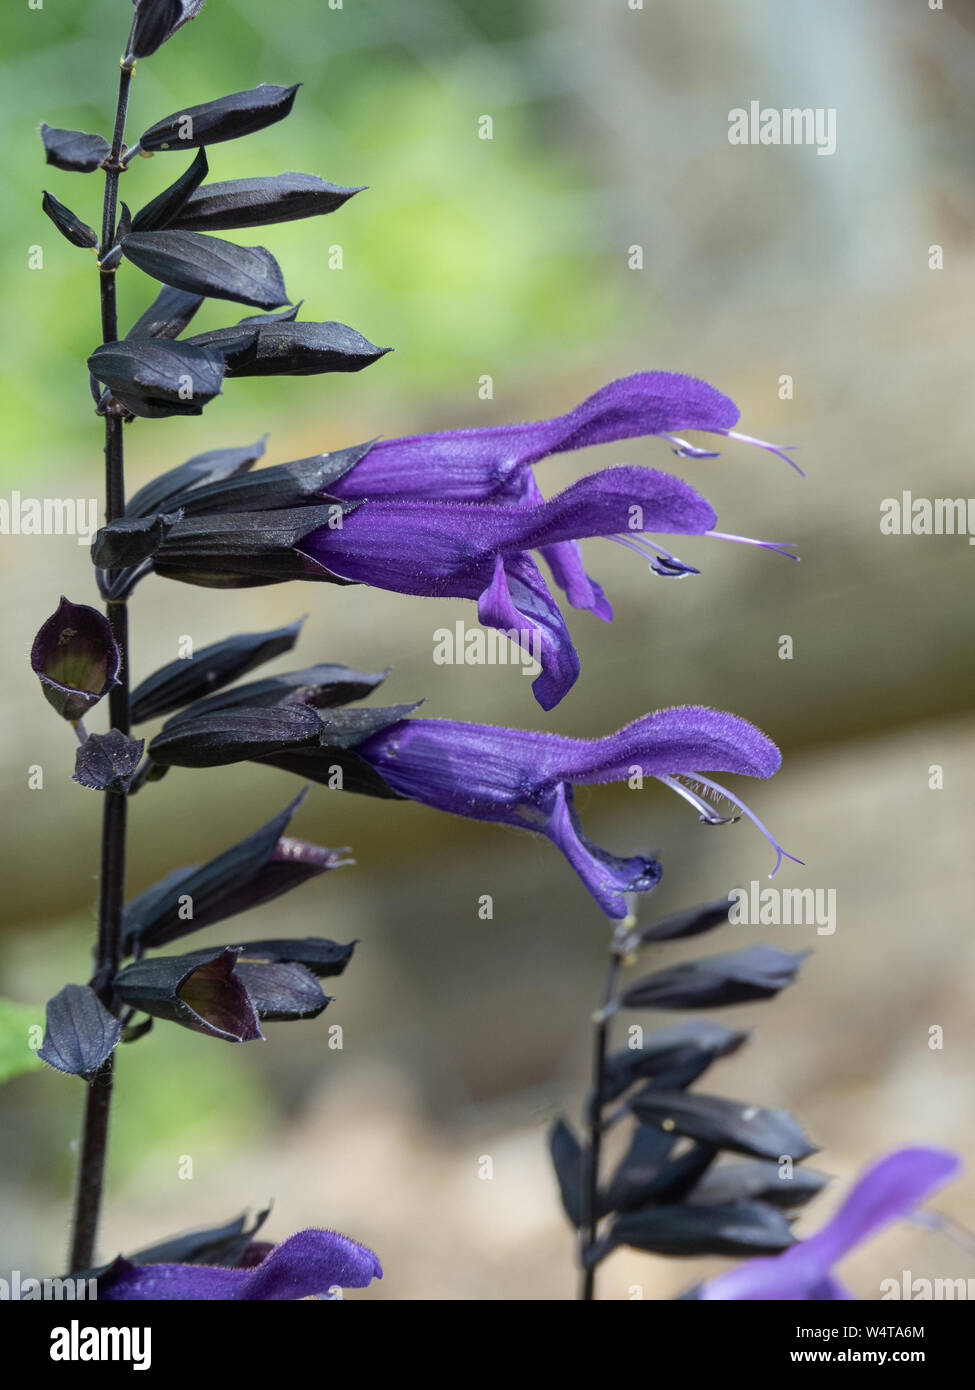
(649, 549)
(777, 546)
(706, 812)
(689, 451)
(723, 791)
(780, 451)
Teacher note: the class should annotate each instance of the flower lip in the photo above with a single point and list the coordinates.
(525, 779)
(482, 551)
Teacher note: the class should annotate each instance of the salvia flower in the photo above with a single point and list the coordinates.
(311, 1264)
(893, 1188)
(494, 464)
(76, 659)
(527, 779)
(286, 522)
(482, 551)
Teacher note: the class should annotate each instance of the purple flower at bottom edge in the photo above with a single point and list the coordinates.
(309, 1264)
(894, 1187)
(526, 779)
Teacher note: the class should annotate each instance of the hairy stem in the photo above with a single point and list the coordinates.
(98, 1101)
(594, 1117)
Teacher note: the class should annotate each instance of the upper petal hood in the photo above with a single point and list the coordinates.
(486, 771)
(309, 1264)
(484, 463)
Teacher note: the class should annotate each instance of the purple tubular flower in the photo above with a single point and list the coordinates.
(527, 779)
(307, 1265)
(480, 550)
(495, 464)
(892, 1188)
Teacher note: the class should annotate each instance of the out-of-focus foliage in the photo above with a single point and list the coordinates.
(467, 255)
(16, 1020)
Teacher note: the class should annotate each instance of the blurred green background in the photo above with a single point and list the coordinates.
(511, 259)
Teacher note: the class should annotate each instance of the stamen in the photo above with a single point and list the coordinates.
(708, 816)
(777, 546)
(780, 451)
(684, 450)
(780, 852)
(668, 566)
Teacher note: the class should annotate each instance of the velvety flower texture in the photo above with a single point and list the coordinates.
(480, 550)
(494, 464)
(894, 1187)
(308, 1265)
(526, 779)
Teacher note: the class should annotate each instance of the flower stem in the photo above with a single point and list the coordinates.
(595, 1125)
(98, 1101)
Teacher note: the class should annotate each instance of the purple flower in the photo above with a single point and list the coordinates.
(480, 550)
(527, 779)
(494, 464)
(307, 1265)
(892, 1188)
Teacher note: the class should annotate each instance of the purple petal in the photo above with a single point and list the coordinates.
(493, 462)
(518, 602)
(309, 1264)
(491, 773)
(688, 738)
(614, 502)
(439, 549)
(524, 779)
(568, 571)
(607, 877)
(892, 1188)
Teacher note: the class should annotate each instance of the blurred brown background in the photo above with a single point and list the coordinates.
(509, 258)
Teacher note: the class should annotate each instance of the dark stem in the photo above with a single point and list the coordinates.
(594, 1117)
(98, 1101)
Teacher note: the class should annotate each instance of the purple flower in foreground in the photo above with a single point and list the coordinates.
(494, 464)
(526, 779)
(307, 1265)
(892, 1188)
(481, 551)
